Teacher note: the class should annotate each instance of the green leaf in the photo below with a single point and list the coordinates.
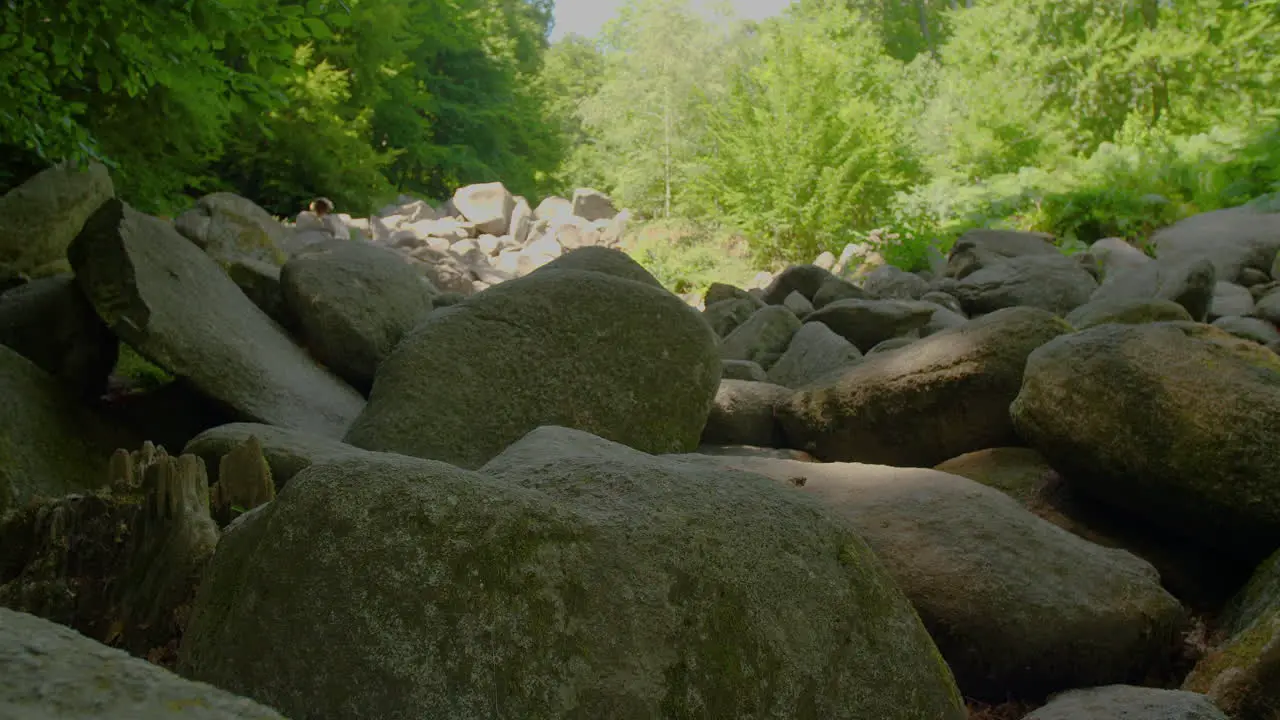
(339, 19)
(104, 82)
(318, 29)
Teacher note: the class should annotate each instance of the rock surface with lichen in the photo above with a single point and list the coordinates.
(570, 576)
(614, 357)
(1172, 422)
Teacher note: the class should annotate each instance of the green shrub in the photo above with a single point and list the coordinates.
(140, 372)
(687, 257)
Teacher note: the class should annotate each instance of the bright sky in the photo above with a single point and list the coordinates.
(585, 17)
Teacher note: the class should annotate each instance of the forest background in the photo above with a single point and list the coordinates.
(742, 145)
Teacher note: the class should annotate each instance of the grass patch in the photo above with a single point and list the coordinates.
(140, 373)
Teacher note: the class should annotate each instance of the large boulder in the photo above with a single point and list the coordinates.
(949, 395)
(172, 302)
(1231, 239)
(44, 214)
(1173, 422)
(977, 249)
(521, 222)
(488, 206)
(1017, 606)
(1051, 282)
(593, 205)
(833, 289)
(354, 301)
(1115, 255)
(603, 260)
(553, 207)
(1200, 578)
(815, 350)
(582, 349)
(50, 322)
(867, 323)
(1128, 702)
(805, 279)
(569, 577)
(50, 445)
(1188, 283)
(763, 337)
(51, 671)
(1250, 328)
(228, 226)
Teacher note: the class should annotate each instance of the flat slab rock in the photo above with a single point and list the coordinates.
(1126, 702)
(175, 305)
(51, 671)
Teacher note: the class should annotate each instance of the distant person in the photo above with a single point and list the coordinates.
(320, 218)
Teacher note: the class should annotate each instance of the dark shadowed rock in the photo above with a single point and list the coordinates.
(354, 301)
(798, 304)
(570, 576)
(721, 291)
(50, 322)
(763, 337)
(834, 289)
(260, 282)
(1209, 469)
(743, 414)
(866, 323)
(946, 395)
(726, 316)
(173, 303)
(625, 360)
(805, 279)
(49, 445)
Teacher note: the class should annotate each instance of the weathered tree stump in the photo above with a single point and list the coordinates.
(121, 565)
(244, 482)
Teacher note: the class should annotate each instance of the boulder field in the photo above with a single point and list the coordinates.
(476, 462)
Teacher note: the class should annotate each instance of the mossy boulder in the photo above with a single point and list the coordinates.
(805, 279)
(604, 260)
(1018, 607)
(50, 322)
(44, 214)
(1172, 422)
(570, 577)
(50, 445)
(1242, 673)
(743, 414)
(51, 671)
(980, 248)
(867, 323)
(172, 303)
(354, 301)
(228, 227)
(614, 357)
(725, 316)
(1189, 283)
(949, 395)
(1126, 311)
